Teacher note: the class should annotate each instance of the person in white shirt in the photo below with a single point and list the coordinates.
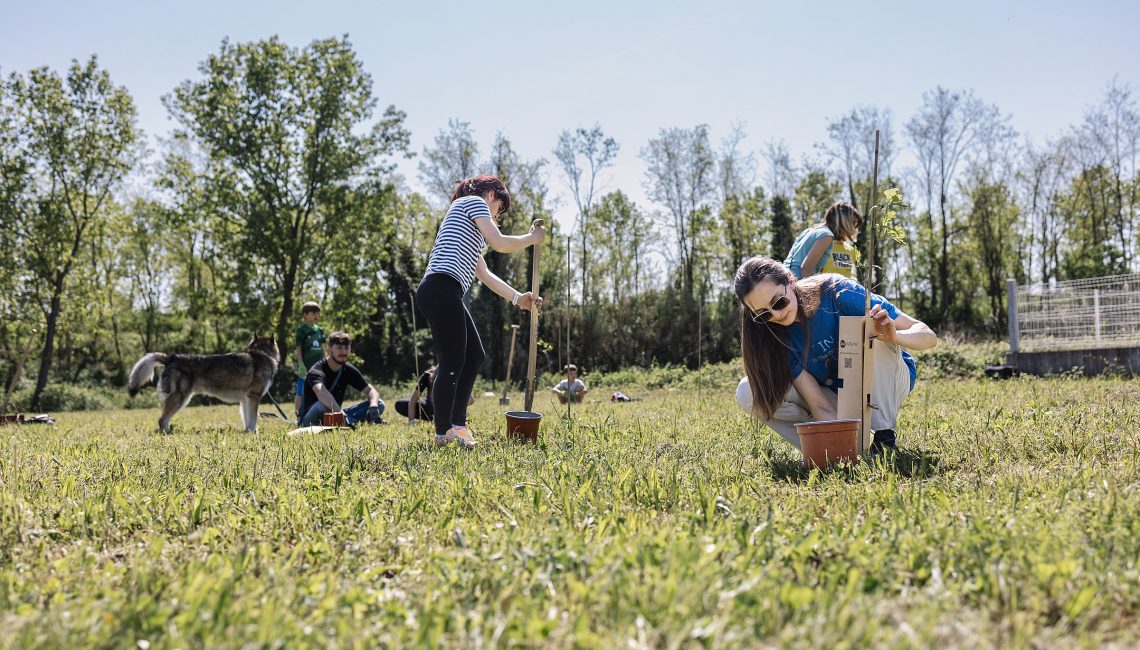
(571, 388)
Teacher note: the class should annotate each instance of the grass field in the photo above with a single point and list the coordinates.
(1011, 518)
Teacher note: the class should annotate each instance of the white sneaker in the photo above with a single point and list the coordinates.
(461, 436)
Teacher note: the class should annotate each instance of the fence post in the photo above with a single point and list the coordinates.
(1011, 303)
(1096, 314)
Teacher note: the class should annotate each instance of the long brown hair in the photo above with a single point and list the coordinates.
(765, 346)
(481, 186)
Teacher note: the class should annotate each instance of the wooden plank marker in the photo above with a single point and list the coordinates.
(856, 341)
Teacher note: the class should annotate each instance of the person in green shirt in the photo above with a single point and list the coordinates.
(310, 347)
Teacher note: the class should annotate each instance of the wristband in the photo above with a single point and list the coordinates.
(515, 300)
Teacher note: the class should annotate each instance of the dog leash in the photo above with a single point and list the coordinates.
(270, 396)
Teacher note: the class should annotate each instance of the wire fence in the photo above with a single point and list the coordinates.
(1077, 314)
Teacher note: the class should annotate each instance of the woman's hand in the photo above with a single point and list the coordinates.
(527, 300)
(884, 325)
(537, 234)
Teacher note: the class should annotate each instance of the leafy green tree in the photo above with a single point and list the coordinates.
(622, 232)
(286, 132)
(746, 225)
(82, 140)
(207, 302)
(815, 193)
(1093, 249)
(781, 228)
(19, 314)
(993, 219)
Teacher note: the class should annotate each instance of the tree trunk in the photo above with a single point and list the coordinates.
(287, 284)
(49, 341)
(944, 266)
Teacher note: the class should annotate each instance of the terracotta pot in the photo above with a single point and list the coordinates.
(334, 420)
(826, 442)
(523, 425)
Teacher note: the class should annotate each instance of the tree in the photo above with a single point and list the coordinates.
(583, 154)
(1045, 172)
(526, 182)
(18, 310)
(992, 220)
(944, 132)
(1109, 137)
(781, 177)
(82, 140)
(781, 228)
(681, 176)
(622, 232)
(852, 146)
(454, 157)
(1092, 249)
(745, 228)
(284, 129)
(736, 168)
(815, 193)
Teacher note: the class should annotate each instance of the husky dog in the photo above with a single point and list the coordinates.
(241, 377)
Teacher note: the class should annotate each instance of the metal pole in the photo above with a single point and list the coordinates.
(1096, 313)
(1011, 303)
(569, 279)
(415, 348)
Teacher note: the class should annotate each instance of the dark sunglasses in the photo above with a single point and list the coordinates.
(765, 315)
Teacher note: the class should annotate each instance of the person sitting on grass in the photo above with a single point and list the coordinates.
(421, 397)
(571, 388)
(327, 382)
(782, 317)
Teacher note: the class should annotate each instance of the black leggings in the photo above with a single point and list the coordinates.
(458, 350)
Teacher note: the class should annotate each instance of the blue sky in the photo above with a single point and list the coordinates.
(532, 69)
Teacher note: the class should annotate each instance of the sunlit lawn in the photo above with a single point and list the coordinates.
(1012, 516)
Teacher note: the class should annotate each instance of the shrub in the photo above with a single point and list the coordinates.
(71, 397)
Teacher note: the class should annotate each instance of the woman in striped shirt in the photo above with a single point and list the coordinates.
(457, 257)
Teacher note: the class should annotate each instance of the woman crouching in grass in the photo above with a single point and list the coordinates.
(781, 317)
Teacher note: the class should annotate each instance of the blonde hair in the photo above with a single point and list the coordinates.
(843, 220)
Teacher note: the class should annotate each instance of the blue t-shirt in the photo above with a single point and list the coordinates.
(839, 297)
(802, 246)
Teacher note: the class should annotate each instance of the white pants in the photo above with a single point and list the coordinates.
(891, 386)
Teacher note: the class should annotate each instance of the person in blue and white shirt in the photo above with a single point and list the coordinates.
(457, 258)
(789, 341)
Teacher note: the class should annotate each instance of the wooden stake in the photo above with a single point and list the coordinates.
(505, 399)
(532, 357)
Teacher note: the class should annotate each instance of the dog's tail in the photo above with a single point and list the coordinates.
(143, 372)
